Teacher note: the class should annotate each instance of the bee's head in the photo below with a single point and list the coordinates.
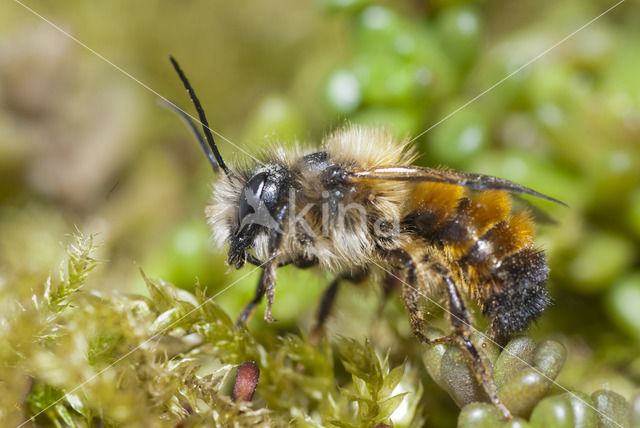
(245, 204)
(257, 207)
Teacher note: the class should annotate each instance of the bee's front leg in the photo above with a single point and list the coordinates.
(269, 279)
(267, 282)
(270, 268)
(266, 285)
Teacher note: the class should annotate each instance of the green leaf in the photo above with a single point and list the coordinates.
(360, 386)
(361, 361)
(388, 406)
(160, 295)
(79, 263)
(392, 380)
(65, 415)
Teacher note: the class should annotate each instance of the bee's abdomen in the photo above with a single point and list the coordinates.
(504, 238)
(444, 215)
(493, 248)
(508, 275)
(516, 294)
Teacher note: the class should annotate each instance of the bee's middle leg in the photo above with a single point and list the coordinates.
(247, 312)
(411, 297)
(329, 297)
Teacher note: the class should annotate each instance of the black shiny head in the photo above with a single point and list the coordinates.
(261, 198)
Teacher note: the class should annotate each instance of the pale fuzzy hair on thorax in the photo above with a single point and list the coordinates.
(287, 155)
(368, 147)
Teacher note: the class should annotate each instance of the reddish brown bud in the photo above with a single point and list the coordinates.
(246, 381)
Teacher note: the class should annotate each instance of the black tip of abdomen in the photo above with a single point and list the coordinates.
(520, 295)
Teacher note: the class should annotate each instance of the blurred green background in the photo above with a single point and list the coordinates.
(84, 146)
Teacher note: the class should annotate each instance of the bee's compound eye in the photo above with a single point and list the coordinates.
(251, 195)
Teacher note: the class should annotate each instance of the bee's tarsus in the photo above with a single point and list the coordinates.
(269, 279)
(267, 315)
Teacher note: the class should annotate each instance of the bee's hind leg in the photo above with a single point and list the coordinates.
(411, 297)
(461, 335)
(458, 319)
(329, 297)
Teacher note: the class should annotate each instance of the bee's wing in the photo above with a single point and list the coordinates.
(539, 215)
(418, 173)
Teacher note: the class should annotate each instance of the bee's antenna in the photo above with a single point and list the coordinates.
(194, 129)
(203, 120)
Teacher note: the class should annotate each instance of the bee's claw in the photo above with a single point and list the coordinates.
(505, 412)
(267, 314)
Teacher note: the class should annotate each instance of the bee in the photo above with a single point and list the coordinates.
(358, 207)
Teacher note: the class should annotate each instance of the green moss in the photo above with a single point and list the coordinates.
(137, 361)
